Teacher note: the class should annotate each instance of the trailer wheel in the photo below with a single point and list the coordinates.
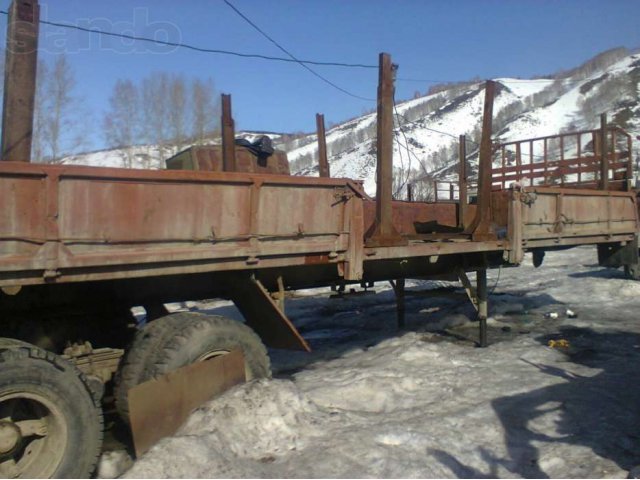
(50, 424)
(208, 336)
(140, 356)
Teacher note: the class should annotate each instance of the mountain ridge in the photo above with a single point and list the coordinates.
(427, 128)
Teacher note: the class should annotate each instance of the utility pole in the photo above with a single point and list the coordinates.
(20, 80)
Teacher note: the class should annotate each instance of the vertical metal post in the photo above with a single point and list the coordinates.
(481, 229)
(410, 192)
(20, 80)
(228, 136)
(604, 164)
(483, 310)
(399, 289)
(629, 165)
(383, 232)
(462, 181)
(322, 147)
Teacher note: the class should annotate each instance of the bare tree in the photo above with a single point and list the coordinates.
(57, 127)
(59, 115)
(205, 107)
(38, 138)
(164, 112)
(122, 121)
(177, 110)
(155, 123)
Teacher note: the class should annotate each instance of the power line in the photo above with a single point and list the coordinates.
(408, 122)
(410, 151)
(186, 46)
(293, 59)
(264, 34)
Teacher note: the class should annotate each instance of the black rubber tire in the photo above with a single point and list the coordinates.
(37, 380)
(140, 356)
(12, 342)
(632, 272)
(203, 334)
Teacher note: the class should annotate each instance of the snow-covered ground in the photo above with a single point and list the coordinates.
(371, 401)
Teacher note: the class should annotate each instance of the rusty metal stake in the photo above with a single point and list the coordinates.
(228, 136)
(462, 181)
(322, 147)
(481, 228)
(604, 164)
(483, 310)
(384, 234)
(20, 80)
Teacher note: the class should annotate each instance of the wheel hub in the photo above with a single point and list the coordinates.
(10, 437)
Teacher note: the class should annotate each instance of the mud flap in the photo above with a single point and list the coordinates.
(159, 407)
(265, 317)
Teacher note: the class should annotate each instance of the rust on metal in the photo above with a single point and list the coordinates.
(384, 233)
(481, 228)
(410, 218)
(265, 317)
(604, 166)
(20, 80)
(483, 298)
(159, 407)
(323, 160)
(210, 158)
(584, 170)
(399, 290)
(228, 136)
(462, 181)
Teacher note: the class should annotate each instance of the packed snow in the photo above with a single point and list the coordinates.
(556, 394)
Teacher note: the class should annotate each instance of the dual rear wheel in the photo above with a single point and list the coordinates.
(181, 339)
(50, 423)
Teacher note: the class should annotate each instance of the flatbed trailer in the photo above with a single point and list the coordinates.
(81, 246)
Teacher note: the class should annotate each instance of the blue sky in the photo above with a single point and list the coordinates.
(429, 39)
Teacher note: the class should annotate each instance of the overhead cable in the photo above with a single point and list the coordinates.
(196, 48)
(304, 65)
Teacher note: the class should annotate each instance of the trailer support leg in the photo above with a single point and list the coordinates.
(398, 288)
(264, 315)
(481, 281)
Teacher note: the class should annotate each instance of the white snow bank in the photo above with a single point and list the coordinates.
(426, 405)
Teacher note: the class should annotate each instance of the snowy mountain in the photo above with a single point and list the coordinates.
(428, 127)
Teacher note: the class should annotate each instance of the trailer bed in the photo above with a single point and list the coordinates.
(64, 224)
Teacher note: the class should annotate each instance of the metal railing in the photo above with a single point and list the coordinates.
(567, 160)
